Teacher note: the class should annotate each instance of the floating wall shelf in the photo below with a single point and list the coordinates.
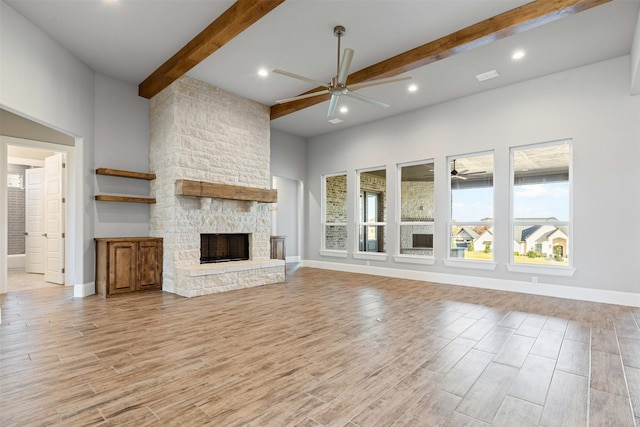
(125, 174)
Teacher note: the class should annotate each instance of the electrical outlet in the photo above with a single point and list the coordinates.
(534, 279)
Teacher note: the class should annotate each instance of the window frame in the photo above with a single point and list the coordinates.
(411, 258)
(339, 253)
(554, 270)
(448, 260)
(11, 176)
(357, 253)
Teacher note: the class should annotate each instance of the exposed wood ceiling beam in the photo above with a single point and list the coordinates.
(514, 21)
(240, 16)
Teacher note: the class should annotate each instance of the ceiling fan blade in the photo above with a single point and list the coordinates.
(368, 99)
(295, 98)
(332, 105)
(299, 77)
(344, 66)
(459, 177)
(378, 82)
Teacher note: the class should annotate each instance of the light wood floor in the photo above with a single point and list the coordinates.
(325, 348)
(18, 280)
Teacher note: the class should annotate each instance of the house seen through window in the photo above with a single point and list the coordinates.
(471, 199)
(541, 203)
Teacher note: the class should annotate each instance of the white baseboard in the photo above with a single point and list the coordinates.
(84, 290)
(558, 291)
(293, 259)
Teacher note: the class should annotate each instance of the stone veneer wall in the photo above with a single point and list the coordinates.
(200, 132)
(336, 212)
(417, 205)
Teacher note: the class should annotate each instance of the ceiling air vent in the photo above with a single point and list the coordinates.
(487, 76)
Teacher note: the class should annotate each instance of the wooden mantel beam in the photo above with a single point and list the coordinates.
(240, 16)
(189, 187)
(514, 21)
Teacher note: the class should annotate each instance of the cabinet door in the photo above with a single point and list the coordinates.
(278, 246)
(149, 262)
(122, 267)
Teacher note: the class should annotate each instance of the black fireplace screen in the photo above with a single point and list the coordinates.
(423, 240)
(223, 247)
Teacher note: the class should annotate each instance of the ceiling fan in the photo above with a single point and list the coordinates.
(338, 84)
(463, 174)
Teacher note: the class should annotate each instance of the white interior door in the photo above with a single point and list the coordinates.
(34, 221)
(54, 219)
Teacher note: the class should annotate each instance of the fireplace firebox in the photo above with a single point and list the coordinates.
(423, 241)
(223, 247)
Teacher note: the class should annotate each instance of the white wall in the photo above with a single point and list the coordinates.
(289, 169)
(635, 60)
(592, 105)
(288, 155)
(41, 81)
(121, 142)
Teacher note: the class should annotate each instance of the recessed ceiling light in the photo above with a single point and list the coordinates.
(344, 109)
(487, 76)
(518, 54)
(336, 121)
(412, 88)
(263, 72)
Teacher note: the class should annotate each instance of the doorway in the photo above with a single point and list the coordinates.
(286, 218)
(36, 190)
(370, 211)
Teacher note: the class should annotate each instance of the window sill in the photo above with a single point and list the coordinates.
(549, 270)
(413, 259)
(478, 265)
(335, 254)
(373, 256)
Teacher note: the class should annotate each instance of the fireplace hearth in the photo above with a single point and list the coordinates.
(224, 247)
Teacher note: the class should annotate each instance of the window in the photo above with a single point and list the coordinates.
(541, 204)
(372, 211)
(416, 209)
(471, 198)
(335, 212)
(14, 180)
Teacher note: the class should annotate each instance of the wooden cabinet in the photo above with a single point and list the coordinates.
(128, 264)
(278, 248)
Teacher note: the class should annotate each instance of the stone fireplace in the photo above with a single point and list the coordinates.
(202, 136)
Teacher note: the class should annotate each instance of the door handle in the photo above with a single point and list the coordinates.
(44, 234)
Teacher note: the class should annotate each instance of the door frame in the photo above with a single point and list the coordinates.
(298, 214)
(70, 206)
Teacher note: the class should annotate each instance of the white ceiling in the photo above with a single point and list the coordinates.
(130, 39)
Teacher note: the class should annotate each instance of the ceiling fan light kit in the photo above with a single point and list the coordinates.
(338, 84)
